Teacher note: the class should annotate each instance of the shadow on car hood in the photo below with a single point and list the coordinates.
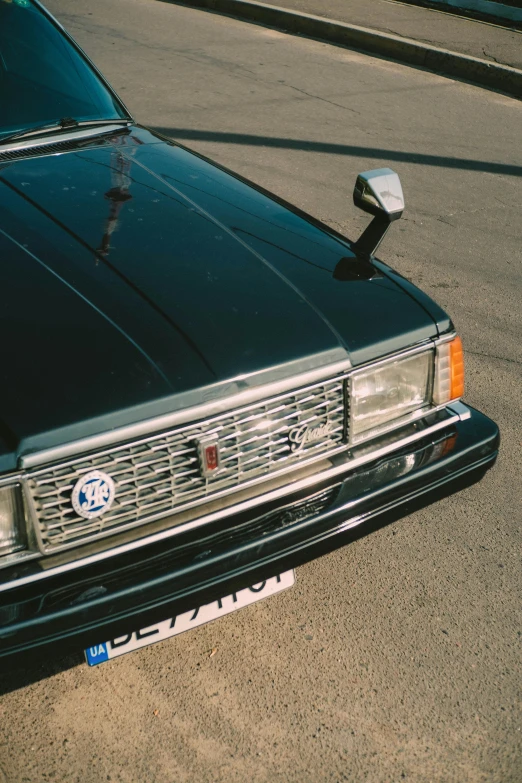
(134, 270)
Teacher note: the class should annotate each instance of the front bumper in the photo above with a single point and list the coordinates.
(102, 600)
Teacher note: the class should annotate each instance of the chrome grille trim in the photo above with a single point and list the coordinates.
(159, 475)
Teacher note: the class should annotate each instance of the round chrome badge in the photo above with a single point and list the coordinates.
(93, 494)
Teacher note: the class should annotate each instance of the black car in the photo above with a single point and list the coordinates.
(201, 386)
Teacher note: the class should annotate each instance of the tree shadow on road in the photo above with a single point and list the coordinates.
(377, 153)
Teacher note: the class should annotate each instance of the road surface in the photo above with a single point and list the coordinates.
(395, 658)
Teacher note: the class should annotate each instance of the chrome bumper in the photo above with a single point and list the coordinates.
(78, 604)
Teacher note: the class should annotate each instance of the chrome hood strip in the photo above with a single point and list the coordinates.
(209, 401)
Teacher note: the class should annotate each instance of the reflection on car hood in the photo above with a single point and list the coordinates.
(133, 270)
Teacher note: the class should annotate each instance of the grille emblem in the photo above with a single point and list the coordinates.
(300, 436)
(209, 456)
(93, 494)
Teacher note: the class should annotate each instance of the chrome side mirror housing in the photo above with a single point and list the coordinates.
(378, 192)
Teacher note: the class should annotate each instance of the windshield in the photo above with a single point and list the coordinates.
(43, 79)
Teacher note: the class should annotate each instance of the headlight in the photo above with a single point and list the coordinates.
(12, 536)
(388, 392)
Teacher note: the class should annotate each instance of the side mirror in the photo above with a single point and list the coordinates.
(378, 192)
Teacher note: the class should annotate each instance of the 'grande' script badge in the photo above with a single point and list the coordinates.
(300, 436)
(93, 494)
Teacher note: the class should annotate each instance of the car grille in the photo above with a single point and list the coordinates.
(161, 474)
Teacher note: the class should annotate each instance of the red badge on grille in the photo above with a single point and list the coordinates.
(209, 458)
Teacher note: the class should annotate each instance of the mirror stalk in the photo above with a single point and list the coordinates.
(378, 192)
(372, 236)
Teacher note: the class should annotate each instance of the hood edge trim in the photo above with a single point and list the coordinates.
(205, 402)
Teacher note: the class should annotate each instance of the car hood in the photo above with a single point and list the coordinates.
(134, 271)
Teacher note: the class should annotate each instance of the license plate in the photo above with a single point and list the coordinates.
(188, 620)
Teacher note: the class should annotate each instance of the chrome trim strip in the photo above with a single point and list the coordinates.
(426, 345)
(17, 558)
(461, 410)
(210, 401)
(396, 424)
(58, 138)
(32, 526)
(13, 478)
(304, 483)
(445, 338)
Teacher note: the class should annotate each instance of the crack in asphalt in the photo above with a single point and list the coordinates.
(492, 356)
(490, 57)
(318, 97)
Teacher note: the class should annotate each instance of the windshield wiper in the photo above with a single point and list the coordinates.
(65, 124)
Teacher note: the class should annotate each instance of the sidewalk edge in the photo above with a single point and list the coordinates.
(487, 74)
(481, 10)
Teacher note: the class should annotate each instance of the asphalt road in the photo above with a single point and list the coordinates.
(396, 658)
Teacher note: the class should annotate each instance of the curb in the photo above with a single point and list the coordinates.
(490, 10)
(494, 76)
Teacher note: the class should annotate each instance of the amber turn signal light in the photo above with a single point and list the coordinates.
(457, 368)
(448, 383)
